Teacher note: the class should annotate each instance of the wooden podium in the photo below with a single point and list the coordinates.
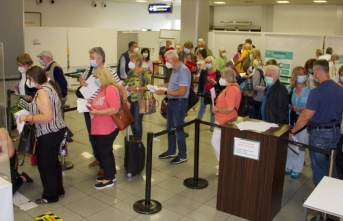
(250, 188)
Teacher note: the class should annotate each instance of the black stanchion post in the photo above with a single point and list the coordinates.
(148, 206)
(196, 182)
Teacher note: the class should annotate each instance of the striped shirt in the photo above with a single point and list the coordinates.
(115, 76)
(57, 122)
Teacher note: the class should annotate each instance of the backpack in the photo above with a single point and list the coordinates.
(247, 62)
(244, 106)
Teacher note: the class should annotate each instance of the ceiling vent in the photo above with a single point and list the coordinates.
(236, 23)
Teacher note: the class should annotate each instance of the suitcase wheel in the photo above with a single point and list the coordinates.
(129, 174)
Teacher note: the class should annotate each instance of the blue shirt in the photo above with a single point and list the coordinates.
(301, 99)
(327, 101)
(264, 99)
(181, 76)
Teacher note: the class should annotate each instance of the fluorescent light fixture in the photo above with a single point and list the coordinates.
(140, 0)
(320, 1)
(282, 2)
(219, 3)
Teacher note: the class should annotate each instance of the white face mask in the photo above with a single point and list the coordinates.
(201, 48)
(135, 50)
(222, 82)
(145, 55)
(132, 65)
(223, 54)
(169, 65)
(30, 84)
(341, 78)
(178, 46)
(21, 70)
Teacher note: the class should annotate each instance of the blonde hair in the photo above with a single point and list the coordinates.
(213, 62)
(24, 59)
(295, 76)
(256, 54)
(106, 77)
(137, 57)
(334, 57)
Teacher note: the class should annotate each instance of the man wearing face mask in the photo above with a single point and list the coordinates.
(163, 50)
(54, 72)
(274, 107)
(322, 115)
(97, 60)
(202, 46)
(177, 94)
(221, 59)
(123, 63)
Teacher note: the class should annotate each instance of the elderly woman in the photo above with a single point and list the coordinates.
(49, 126)
(226, 106)
(299, 90)
(23, 86)
(209, 78)
(103, 130)
(221, 59)
(137, 81)
(187, 55)
(332, 66)
(146, 63)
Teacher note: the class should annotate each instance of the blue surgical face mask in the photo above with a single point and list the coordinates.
(310, 71)
(97, 82)
(301, 79)
(315, 79)
(93, 63)
(186, 50)
(42, 62)
(208, 66)
(268, 80)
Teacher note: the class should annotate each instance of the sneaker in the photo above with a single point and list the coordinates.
(165, 155)
(288, 171)
(178, 160)
(217, 167)
(294, 175)
(101, 185)
(99, 179)
(186, 134)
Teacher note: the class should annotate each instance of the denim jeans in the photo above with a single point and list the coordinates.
(325, 139)
(136, 126)
(203, 108)
(175, 116)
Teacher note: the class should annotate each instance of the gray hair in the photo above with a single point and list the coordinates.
(229, 75)
(171, 54)
(322, 65)
(273, 68)
(335, 56)
(99, 51)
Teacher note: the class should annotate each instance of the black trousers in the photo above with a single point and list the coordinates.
(104, 145)
(49, 166)
(16, 180)
(91, 137)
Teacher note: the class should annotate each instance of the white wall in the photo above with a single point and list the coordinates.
(238, 13)
(121, 16)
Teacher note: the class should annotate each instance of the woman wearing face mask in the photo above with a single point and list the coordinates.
(178, 47)
(332, 67)
(137, 81)
(186, 55)
(226, 106)
(103, 130)
(24, 87)
(146, 64)
(298, 90)
(50, 129)
(221, 60)
(309, 69)
(209, 78)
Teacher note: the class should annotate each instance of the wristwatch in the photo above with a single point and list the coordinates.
(290, 131)
(137, 88)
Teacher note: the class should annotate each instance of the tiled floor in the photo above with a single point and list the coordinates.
(83, 202)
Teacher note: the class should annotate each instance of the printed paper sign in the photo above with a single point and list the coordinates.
(246, 148)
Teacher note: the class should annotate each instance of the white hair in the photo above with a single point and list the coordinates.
(272, 68)
(221, 49)
(171, 54)
(229, 74)
(200, 39)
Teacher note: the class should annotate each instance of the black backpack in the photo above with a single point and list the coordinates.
(244, 106)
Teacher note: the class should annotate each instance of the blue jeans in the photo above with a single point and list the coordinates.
(175, 116)
(203, 108)
(136, 126)
(325, 139)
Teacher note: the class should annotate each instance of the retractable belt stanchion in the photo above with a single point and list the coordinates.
(196, 182)
(148, 206)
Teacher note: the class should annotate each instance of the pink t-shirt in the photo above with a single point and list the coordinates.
(103, 124)
(208, 84)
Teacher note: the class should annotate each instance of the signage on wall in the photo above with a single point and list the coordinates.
(284, 60)
(340, 59)
(246, 148)
(160, 8)
(33, 19)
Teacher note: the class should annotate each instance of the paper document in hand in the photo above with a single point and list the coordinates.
(90, 89)
(213, 95)
(293, 147)
(153, 88)
(81, 105)
(20, 126)
(259, 126)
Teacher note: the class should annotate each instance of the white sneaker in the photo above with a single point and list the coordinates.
(217, 167)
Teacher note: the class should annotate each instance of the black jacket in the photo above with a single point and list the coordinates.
(127, 60)
(276, 107)
(203, 79)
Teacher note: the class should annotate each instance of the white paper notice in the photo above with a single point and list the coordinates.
(90, 89)
(213, 94)
(81, 105)
(22, 202)
(259, 126)
(153, 88)
(246, 148)
(20, 126)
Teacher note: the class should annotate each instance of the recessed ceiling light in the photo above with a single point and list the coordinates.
(140, 0)
(282, 2)
(219, 3)
(320, 1)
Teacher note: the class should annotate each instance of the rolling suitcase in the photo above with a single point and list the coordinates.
(134, 155)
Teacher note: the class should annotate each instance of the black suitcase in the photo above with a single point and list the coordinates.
(134, 155)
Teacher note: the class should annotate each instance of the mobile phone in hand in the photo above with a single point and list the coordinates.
(89, 107)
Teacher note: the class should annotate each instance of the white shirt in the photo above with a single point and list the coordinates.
(332, 70)
(325, 57)
(21, 85)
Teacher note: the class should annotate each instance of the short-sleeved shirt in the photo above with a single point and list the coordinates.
(301, 99)
(327, 101)
(229, 97)
(245, 53)
(181, 76)
(221, 62)
(208, 84)
(134, 80)
(103, 124)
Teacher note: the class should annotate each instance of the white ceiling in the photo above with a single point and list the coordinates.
(237, 2)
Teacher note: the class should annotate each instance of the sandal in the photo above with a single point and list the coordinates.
(42, 201)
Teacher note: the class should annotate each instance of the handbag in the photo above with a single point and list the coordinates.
(123, 117)
(27, 140)
(207, 98)
(150, 104)
(192, 99)
(77, 91)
